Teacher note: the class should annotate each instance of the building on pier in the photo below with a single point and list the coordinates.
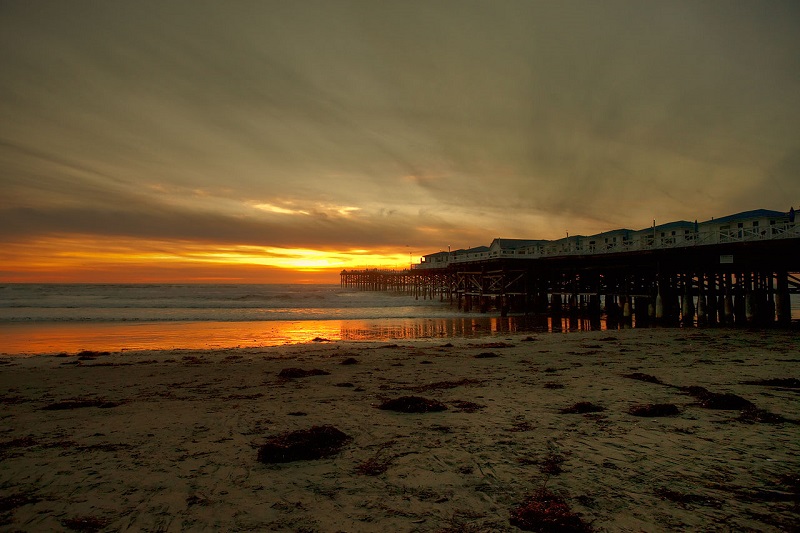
(513, 247)
(442, 259)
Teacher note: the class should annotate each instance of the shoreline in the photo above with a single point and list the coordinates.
(30, 338)
(168, 439)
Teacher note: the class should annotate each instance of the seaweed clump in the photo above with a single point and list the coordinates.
(11, 502)
(791, 481)
(545, 512)
(749, 413)
(445, 385)
(639, 376)
(412, 404)
(290, 373)
(754, 416)
(654, 409)
(373, 467)
(715, 400)
(686, 499)
(80, 403)
(463, 406)
(89, 524)
(789, 383)
(582, 408)
(317, 442)
(551, 465)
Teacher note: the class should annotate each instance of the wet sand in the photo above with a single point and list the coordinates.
(168, 440)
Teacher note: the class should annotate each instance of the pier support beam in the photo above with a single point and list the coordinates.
(783, 305)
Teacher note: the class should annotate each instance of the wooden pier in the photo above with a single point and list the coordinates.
(747, 282)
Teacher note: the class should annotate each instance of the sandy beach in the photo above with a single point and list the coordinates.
(169, 440)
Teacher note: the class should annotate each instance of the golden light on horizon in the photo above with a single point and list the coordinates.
(79, 259)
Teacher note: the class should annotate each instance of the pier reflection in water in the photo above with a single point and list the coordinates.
(468, 327)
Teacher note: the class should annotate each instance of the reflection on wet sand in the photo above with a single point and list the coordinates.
(32, 338)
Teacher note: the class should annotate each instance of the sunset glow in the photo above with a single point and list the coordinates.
(72, 259)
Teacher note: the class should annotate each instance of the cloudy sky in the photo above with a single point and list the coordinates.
(285, 140)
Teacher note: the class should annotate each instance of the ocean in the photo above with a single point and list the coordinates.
(69, 318)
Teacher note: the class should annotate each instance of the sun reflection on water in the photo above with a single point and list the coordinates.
(33, 338)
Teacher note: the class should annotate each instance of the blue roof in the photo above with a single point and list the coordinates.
(472, 250)
(511, 244)
(612, 232)
(756, 213)
(670, 225)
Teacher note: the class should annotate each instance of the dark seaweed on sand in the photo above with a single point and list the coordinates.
(12, 400)
(654, 409)
(91, 353)
(89, 524)
(551, 465)
(463, 406)
(412, 404)
(80, 404)
(643, 377)
(12, 501)
(755, 415)
(789, 383)
(350, 361)
(583, 407)
(749, 413)
(715, 400)
(495, 345)
(21, 442)
(373, 467)
(300, 373)
(486, 355)
(685, 499)
(315, 443)
(545, 512)
(791, 481)
(444, 385)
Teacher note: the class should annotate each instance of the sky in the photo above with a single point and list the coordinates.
(283, 141)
